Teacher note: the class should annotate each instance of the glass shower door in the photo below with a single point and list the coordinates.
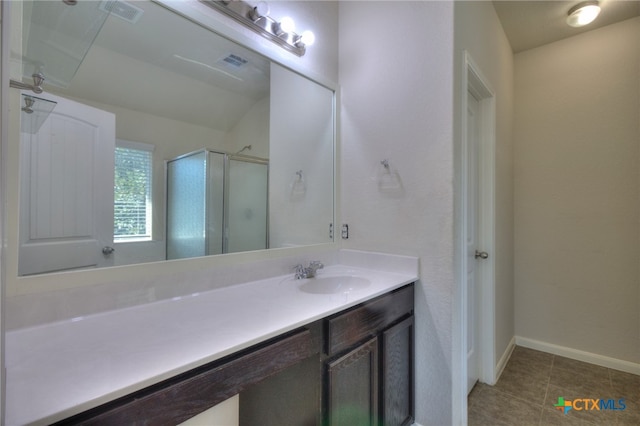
(186, 206)
(247, 205)
(216, 204)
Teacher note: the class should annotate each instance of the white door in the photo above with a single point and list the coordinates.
(66, 205)
(473, 137)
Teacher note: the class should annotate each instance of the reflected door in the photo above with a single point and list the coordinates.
(67, 169)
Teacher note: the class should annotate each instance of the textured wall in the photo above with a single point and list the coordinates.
(577, 202)
(397, 105)
(479, 32)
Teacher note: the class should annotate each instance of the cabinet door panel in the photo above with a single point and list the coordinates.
(353, 387)
(397, 374)
(346, 329)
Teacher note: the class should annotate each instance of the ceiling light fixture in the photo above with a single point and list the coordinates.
(583, 13)
(257, 19)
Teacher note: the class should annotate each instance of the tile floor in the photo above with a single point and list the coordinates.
(533, 381)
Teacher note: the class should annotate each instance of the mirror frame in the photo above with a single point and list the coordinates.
(199, 14)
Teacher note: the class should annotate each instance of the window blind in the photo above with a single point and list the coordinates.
(132, 194)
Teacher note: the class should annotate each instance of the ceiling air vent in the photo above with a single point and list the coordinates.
(234, 61)
(122, 10)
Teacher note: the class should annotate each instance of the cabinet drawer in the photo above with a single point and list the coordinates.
(349, 328)
(189, 394)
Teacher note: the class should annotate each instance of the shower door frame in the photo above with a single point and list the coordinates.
(227, 157)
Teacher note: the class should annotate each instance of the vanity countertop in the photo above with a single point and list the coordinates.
(61, 369)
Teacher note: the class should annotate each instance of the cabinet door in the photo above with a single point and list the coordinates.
(352, 398)
(397, 374)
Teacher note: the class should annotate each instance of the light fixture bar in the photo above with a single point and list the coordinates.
(264, 25)
(36, 87)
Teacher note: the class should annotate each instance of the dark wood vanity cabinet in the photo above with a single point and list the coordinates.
(352, 387)
(397, 374)
(354, 368)
(369, 372)
(184, 396)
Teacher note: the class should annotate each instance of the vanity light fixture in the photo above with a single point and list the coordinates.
(257, 19)
(583, 13)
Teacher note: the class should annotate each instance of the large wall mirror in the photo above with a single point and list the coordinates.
(155, 138)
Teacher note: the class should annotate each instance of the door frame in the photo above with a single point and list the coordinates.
(474, 81)
(5, 37)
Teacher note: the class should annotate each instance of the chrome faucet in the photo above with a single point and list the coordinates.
(309, 271)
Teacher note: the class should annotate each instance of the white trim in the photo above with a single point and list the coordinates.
(140, 146)
(475, 82)
(487, 231)
(5, 39)
(504, 359)
(601, 360)
(149, 149)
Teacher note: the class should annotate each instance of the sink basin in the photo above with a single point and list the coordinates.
(334, 284)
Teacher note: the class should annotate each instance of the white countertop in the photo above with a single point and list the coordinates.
(61, 369)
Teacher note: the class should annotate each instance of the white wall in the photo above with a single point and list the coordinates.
(300, 208)
(479, 32)
(4, 99)
(252, 129)
(577, 162)
(397, 92)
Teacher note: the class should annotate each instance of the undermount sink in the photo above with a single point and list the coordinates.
(334, 284)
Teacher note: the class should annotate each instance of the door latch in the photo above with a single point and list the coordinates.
(482, 254)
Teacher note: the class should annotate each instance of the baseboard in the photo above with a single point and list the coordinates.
(504, 359)
(601, 360)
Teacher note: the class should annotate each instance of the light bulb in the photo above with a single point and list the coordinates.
(262, 8)
(583, 14)
(287, 25)
(308, 38)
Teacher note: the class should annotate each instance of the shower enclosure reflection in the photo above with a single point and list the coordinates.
(216, 203)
